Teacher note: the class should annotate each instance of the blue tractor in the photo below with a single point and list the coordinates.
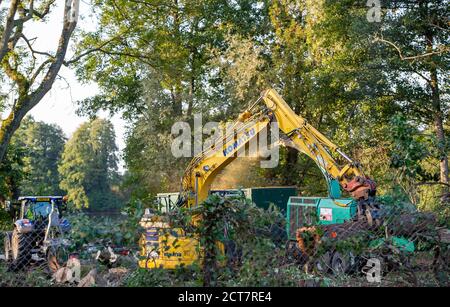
(38, 232)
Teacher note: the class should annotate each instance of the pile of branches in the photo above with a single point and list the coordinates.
(373, 237)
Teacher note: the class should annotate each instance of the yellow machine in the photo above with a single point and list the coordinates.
(165, 247)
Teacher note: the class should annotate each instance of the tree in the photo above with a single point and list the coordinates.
(155, 67)
(30, 73)
(88, 168)
(167, 41)
(415, 40)
(318, 57)
(11, 173)
(43, 145)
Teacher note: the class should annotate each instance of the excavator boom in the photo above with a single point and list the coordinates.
(315, 145)
(297, 133)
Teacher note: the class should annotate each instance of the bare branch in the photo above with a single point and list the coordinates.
(101, 48)
(33, 52)
(421, 75)
(39, 70)
(30, 12)
(128, 54)
(31, 9)
(69, 24)
(443, 49)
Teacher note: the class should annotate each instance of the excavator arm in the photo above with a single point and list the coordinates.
(306, 139)
(297, 133)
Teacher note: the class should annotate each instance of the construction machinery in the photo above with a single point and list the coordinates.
(165, 247)
(262, 197)
(37, 233)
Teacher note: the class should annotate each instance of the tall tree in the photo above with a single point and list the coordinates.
(168, 41)
(155, 67)
(319, 58)
(89, 165)
(415, 38)
(30, 73)
(43, 145)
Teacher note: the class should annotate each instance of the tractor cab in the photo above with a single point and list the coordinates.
(38, 230)
(40, 207)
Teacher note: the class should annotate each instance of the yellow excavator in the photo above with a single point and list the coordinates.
(166, 247)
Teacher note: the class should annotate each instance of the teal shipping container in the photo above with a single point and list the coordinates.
(264, 196)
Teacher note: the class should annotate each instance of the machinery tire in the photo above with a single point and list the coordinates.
(323, 264)
(7, 246)
(21, 246)
(342, 263)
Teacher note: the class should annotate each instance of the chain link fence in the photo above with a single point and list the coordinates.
(382, 245)
(21, 260)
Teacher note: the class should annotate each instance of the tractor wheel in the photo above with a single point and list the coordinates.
(21, 245)
(323, 264)
(342, 263)
(56, 258)
(7, 246)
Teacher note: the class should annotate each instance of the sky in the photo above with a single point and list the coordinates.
(59, 105)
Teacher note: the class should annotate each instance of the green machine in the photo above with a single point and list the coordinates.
(307, 211)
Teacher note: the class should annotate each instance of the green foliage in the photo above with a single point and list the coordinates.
(5, 220)
(31, 163)
(409, 149)
(123, 230)
(11, 172)
(245, 230)
(34, 278)
(43, 144)
(88, 168)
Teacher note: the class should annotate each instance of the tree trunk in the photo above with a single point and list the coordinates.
(437, 116)
(290, 167)
(7, 129)
(443, 163)
(26, 100)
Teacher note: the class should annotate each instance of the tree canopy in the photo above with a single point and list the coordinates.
(88, 167)
(345, 73)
